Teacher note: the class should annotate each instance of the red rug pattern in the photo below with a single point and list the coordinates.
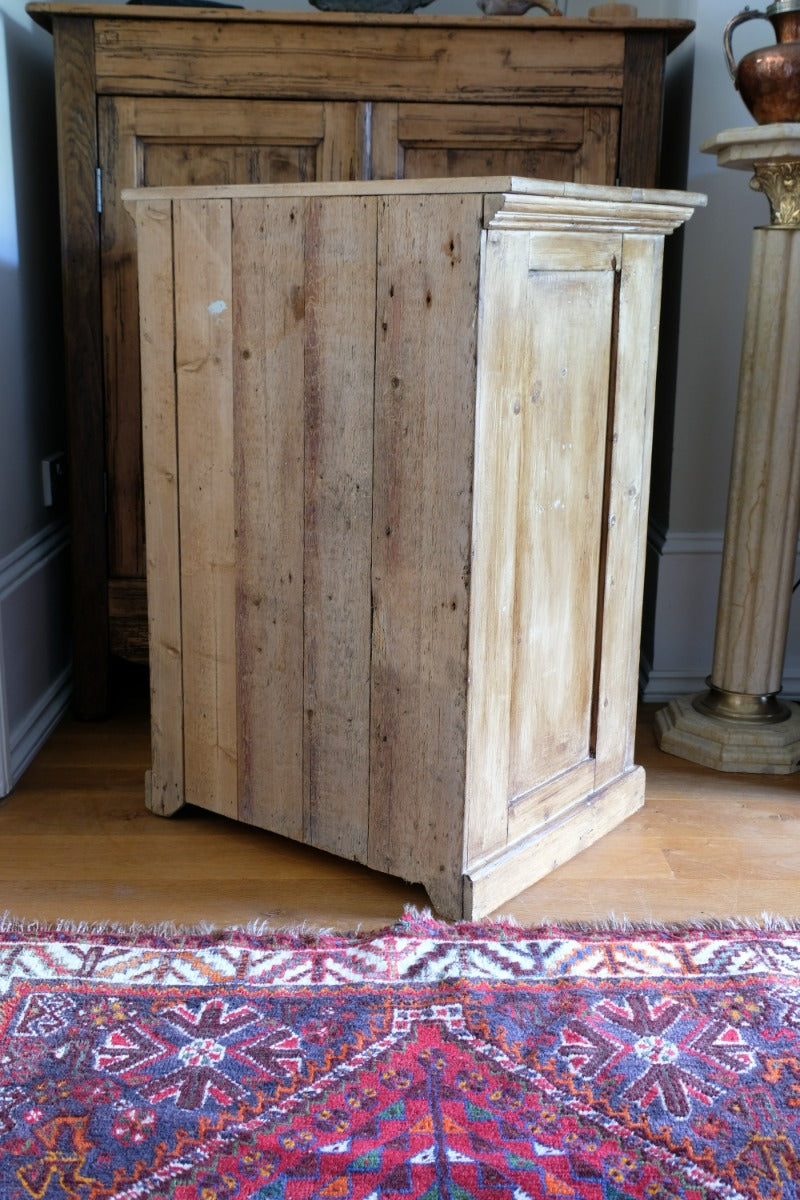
(434, 1061)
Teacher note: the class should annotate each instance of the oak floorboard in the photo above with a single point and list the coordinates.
(78, 844)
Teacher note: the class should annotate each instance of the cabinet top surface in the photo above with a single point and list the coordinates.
(43, 12)
(551, 191)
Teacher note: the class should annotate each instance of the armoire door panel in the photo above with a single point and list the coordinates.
(420, 141)
(158, 142)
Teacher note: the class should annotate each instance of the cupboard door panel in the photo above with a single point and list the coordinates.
(419, 141)
(538, 528)
(151, 142)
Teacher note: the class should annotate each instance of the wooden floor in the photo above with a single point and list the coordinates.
(77, 843)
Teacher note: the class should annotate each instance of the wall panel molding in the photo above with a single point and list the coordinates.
(35, 652)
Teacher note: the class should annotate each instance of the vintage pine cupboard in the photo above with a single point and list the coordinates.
(396, 454)
(158, 95)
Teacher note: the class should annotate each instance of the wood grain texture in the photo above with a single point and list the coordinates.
(560, 404)
(548, 845)
(640, 131)
(76, 124)
(118, 151)
(339, 373)
(427, 296)
(166, 792)
(628, 483)
(150, 142)
(419, 141)
(538, 63)
(268, 307)
(204, 374)
(544, 369)
(127, 614)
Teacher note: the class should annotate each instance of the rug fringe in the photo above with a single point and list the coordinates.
(613, 923)
(412, 922)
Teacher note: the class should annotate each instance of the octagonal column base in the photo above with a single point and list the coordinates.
(729, 744)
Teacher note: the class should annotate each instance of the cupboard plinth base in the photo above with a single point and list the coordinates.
(504, 876)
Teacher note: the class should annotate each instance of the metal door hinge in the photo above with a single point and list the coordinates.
(98, 177)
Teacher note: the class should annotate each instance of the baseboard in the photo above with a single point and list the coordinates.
(688, 567)
(35, 654)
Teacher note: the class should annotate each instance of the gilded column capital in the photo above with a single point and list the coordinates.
(780, 183)
(772, 154)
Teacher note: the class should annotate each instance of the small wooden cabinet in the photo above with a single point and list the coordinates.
(160, 96)
(396, 451)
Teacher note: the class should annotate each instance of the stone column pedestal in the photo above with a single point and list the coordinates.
(739, 723)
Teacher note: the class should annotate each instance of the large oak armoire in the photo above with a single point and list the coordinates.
(166, 96)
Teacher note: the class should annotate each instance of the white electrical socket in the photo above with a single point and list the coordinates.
(54, 480)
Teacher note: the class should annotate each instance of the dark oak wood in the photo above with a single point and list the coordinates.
(640, 126)
(154, 95)
(80, 256)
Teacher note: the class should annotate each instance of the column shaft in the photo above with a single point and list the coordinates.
(764, 501)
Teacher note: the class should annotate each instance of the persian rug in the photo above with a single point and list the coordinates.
(426, 1060)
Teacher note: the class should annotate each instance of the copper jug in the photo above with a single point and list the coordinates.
(769, 80)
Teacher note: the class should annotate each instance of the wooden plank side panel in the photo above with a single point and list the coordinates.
(269, 321)
(159, 437)
(626, 519)
(162, 141)
(340, 251)
(203, 340)
(425, 380)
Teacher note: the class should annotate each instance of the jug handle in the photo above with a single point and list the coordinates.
(747, 14)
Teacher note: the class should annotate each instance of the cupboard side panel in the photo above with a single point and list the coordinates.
(428, 267)
(339, 371)
(159, 438)
(205, 465)
(268, 366)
